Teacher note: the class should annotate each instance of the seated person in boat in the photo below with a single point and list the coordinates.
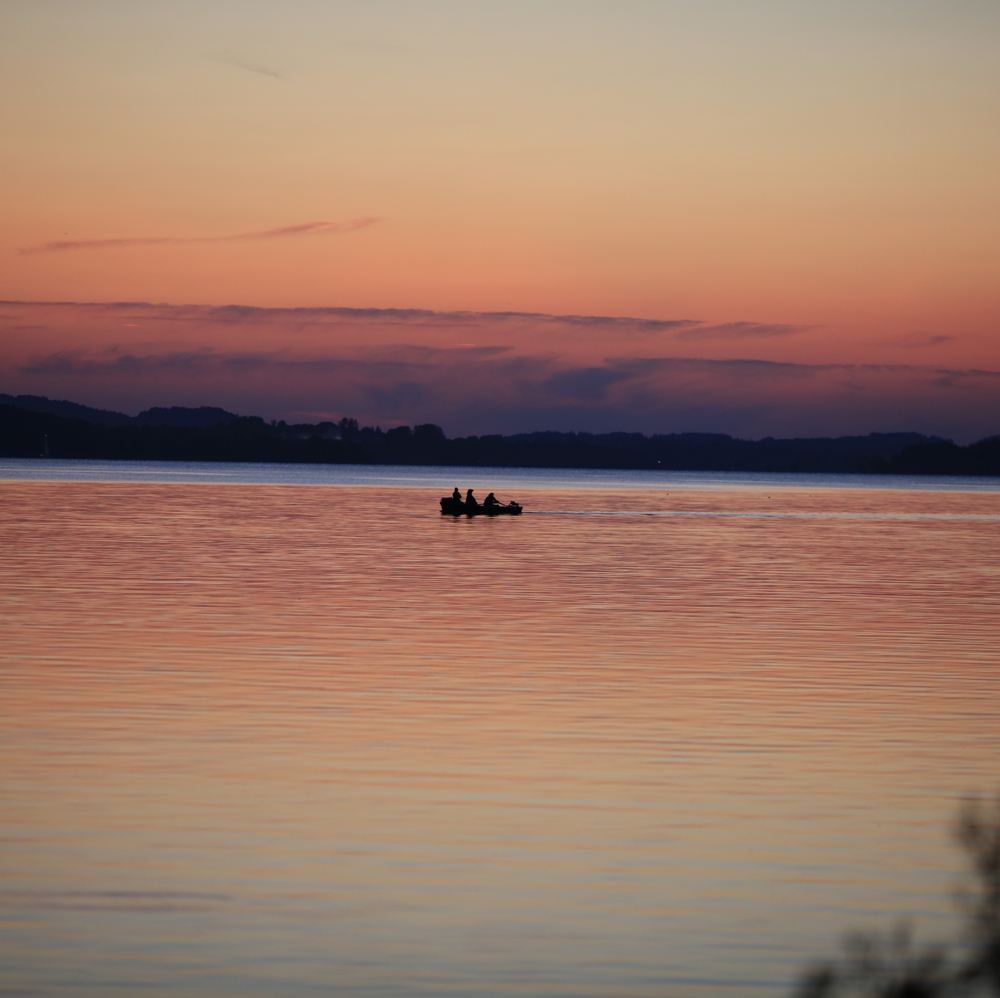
(456, 494)
(491, 500)
(470, 500)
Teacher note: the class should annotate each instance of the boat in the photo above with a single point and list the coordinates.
(455, 507)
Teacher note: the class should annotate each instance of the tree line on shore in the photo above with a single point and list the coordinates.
(31, 426)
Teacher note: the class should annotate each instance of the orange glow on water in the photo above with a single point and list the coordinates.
(571, 740)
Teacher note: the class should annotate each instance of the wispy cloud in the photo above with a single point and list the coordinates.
(742, 331)
(250, 67)
(558, 378)
(249, 314)
(421, 316)
(62, 246)
(918, 339)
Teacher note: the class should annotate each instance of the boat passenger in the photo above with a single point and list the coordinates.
(470, 500)
(491, 500)
(456, 494)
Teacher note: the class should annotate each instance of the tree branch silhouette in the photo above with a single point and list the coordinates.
(876, 965)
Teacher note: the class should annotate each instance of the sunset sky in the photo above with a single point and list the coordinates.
(747, 216)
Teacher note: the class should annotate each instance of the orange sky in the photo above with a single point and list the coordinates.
(807, 184)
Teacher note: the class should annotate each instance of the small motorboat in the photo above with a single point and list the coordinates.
(455, 507)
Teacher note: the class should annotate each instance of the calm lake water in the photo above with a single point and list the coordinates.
(660, 735)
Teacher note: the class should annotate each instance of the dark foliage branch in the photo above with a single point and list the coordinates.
(979, 833)
(880, 966)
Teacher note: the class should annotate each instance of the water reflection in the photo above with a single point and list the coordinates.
(263, 740)
(412, 476)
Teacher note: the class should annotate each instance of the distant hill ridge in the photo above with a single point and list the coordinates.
(34, 426)
(205, 416)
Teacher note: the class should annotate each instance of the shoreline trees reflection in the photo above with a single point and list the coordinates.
(892, 966)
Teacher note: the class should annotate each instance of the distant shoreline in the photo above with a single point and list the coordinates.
(215, 435)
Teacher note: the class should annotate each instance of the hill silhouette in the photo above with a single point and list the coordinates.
(205, 416)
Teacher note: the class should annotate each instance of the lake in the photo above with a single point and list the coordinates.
(272, 730)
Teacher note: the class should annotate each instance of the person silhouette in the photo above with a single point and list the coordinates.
(470, 500)
(456, 494)
(491, 500)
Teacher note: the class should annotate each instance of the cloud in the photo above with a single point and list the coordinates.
(418, 364)
(249, 314)
(920, 339)
(741, 331)
(526, 371)
(62, 246)
(250, 67)
(496, 390)
(420, 316)
(82, 363)
(587, 384)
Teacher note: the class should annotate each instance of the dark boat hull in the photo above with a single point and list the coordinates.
(455, 507)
